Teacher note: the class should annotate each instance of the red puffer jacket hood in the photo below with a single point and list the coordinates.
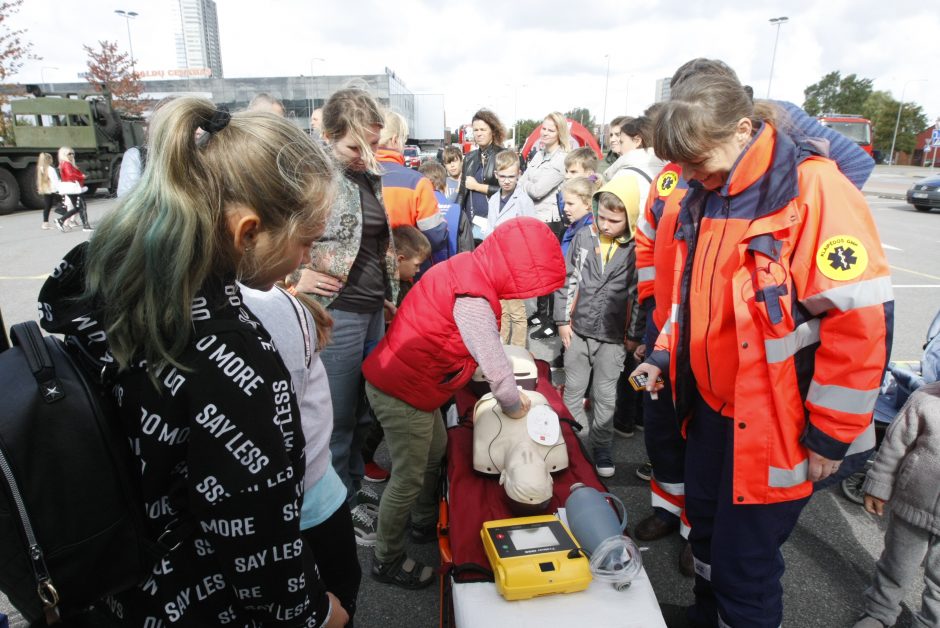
(521, 259)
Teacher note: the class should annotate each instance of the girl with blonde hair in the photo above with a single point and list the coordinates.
(47, 184)
(153, 301)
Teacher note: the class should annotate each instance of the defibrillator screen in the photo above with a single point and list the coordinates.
(532, 538)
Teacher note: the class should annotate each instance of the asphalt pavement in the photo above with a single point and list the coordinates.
(831, 554)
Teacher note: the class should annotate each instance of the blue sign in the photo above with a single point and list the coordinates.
(935, 138)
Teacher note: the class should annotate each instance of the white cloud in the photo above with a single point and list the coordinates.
(477, 53)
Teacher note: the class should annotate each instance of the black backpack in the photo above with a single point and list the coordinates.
(71, 519)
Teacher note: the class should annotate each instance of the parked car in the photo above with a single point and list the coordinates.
(412, 156)
(925, 195)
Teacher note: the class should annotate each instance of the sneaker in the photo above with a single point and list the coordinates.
(543, 332)
(375, 473)
(364, 525)
(46, 225)
(624, 431)
(403, 572)
(535, 320)
(87, 228)
(60, 225)
(603, 463)
(369, 499)
(645, 471)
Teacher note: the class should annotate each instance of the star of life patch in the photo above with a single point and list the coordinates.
(842, 258)
(666, 183)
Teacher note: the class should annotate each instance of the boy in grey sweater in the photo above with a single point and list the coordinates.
(906, 474)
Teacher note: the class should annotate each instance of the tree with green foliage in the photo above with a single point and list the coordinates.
(581, 115)
(882, 109)
(523, 129)
(837, 94)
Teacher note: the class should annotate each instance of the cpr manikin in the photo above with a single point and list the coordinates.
(523, 452)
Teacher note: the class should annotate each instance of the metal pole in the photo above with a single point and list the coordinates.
(127, 15)
(897, 123)
(604, 116)
(778, 22)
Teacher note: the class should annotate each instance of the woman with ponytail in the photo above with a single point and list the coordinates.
(204, 399)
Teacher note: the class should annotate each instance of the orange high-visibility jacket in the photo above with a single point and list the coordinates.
(656, 243)
(782, 308)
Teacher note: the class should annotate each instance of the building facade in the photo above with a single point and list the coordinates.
(197, 41)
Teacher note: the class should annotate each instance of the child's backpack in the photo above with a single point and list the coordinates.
(71, 520)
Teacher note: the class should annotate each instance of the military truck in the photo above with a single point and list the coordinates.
(44, 122)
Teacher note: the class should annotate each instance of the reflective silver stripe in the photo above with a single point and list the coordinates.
(852, 296)
(430, 222)
(677, 488)
(674, 313)
(785, 478)
(646, 274)
(647, 229)
(702, 569)
(657, 501)
(864, 441)
(667, 328)
(841, 398)
(779, 349)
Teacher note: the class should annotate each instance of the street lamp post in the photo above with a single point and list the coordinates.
(42, 74)
(128, 16)
(604, 116)
(778, 22)
(897, 122)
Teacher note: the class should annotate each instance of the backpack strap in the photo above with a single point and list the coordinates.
(648, 178)
(29, 338)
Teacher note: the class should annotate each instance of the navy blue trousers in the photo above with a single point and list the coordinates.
(665, 445)
(738, 564)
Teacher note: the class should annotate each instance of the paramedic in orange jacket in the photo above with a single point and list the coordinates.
(777, 339)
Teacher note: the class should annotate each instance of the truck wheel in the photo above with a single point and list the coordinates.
(29, 195)
(9, 192)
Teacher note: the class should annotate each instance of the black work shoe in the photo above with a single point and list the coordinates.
(623, 430)
(403, 572)
(653, 528)
(535, 320)
(545, 331)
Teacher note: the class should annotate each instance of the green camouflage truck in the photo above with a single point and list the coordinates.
(45, 122)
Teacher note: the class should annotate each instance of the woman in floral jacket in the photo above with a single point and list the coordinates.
(354, 274)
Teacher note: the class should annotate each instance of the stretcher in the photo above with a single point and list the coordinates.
(468, 596)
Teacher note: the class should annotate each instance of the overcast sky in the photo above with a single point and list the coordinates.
(521, 58)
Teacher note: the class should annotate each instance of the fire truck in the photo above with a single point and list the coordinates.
(854, 127)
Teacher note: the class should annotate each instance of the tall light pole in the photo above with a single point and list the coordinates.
(778, 22)
(515, 114)
(128, 16)
(604, 115)
(42, 75)
(897, 122)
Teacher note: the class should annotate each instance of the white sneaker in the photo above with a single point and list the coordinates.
(46, 225)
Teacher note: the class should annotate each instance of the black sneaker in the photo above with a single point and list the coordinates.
(60, 225)
(364, 524)
(534, 321)
(624, 431)
(368, 499)
(543, 332)
(645, 471)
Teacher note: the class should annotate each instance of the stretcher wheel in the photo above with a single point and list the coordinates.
(852, 487)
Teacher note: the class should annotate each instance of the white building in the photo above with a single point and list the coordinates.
(663, 89)
(197, 41)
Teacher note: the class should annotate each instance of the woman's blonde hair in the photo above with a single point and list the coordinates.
(703, 112)
(582, 187)
(153, 253)
(395, 127)
(43, 182)
(66, 154)
(561, 124)
(354, 112)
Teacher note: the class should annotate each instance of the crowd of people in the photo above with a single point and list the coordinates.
(720, 256)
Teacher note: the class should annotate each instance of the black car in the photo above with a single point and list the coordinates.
(925, 195)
